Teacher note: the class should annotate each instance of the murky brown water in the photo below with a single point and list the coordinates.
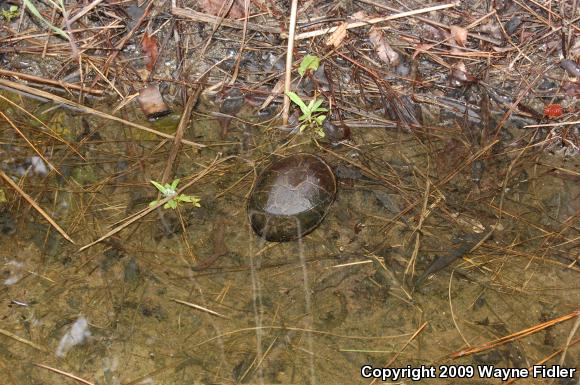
(452, 228)
(310, 311)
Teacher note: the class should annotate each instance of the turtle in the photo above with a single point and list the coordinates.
(291, 197)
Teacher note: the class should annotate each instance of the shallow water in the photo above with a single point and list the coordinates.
(193, 296)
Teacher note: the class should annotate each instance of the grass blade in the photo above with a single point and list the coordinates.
(28, 5)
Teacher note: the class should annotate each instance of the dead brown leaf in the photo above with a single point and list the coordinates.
(337, 36)
(432, 33)
(385, 52)
(492, 28)
(459, 73)
(359, 16)
(459, 34)
(219, 8)
(149, 48)
(420, 48)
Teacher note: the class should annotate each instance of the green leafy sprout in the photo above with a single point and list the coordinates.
(170, 190)
(312, 116)
(309, 62)
(10, 13)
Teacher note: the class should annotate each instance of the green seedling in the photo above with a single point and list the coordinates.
(312, 114)
(170, 190)
(10, 13)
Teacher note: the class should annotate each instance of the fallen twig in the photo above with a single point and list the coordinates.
(55, 83)
(35, 205)
(88, 110)
(515, 336)
(205, 18)
(289, 56)
(185, 117)
(66, 374)
(198, 307)
(29, 143)
(22, 340)
(356, 24)
(544, 360)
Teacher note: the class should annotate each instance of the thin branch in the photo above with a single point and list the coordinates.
(35, 205)
(357, 24)
(88, 110)
(289, 56)
(515, 336)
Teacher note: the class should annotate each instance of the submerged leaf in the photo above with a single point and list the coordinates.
(337, 36)
(189, 199)
(159, 186)
(320, 131)
(220, 7)
(169, 191)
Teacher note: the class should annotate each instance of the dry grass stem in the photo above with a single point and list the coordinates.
(88, 110)
(66, 374)
(216, 20)
(515, 336)
(289, 57)
(39, 209)
(376, 20)
(23, 340)
(198, 307)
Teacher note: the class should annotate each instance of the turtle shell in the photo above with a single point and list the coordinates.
(291, 197)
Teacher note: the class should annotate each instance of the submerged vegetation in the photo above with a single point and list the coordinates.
(10, 13)
(312, 114)
(170, 191)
